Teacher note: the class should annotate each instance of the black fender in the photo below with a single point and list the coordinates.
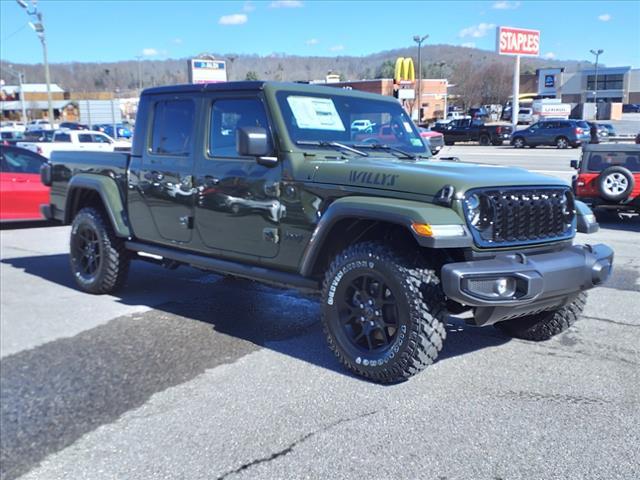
(401, 212)
(110, 195)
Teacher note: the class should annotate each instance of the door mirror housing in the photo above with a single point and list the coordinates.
(253, 142)
(574, 164)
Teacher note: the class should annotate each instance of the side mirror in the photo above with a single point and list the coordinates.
(574, 164)
(255, 142)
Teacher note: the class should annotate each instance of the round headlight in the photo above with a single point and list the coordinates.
(477, 211)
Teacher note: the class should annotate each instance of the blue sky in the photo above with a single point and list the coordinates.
(118, 30)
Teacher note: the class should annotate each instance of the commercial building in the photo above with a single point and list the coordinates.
(35, 100)
(433, 93)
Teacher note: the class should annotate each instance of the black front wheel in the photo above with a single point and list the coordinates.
(383, 315)
(99, 261)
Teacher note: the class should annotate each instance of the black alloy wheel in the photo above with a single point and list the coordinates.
(86, 249)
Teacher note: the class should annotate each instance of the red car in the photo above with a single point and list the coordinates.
(436, 139)
(21, 192)
(609, 177)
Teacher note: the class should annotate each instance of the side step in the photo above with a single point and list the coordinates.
(228, 267)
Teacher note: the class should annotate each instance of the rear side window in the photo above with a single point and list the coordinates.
(85, 138)
(173, 122)
(600, 161)
(229, 115)
(62, 137)
(100, 138)
(20, 162)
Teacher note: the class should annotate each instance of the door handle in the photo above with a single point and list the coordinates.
(209, 181)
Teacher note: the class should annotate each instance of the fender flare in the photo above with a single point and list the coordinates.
(110, 195)
(400, 212)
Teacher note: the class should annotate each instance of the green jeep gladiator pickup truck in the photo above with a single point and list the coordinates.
(269, 181)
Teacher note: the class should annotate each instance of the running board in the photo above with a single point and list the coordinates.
(227, 267)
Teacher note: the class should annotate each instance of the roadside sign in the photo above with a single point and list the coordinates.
(205, 70)
(517, 41)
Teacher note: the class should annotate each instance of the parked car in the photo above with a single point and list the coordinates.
(525, 116)
(611, 131)
(390, 241)
(365, 126)
(38, 135)
(559, 133)
(39, 124)
(474, 131)
(608, 177)
(10, 125)
(631, 108)
(21, 191)
(478, 113)
(123, 130)
(74, 126)
(10, 137)
(76, 140)
(435, 139)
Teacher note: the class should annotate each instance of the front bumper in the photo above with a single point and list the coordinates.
(516, 284)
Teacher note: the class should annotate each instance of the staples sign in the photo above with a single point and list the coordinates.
(518, 41)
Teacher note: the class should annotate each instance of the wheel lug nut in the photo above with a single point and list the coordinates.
(371, 323)
(362, 306)
(370, 302)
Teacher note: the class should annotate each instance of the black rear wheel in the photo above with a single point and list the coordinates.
(484, 140)
(383, 315)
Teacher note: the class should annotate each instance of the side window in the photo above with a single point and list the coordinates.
(229, 115)
(62, 137)
(85, 138)
(173, 127)
(97, 138)
(19, 162)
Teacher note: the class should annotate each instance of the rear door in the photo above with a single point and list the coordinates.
(161, 194)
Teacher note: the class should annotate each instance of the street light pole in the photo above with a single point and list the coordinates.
(38, 27)
(418, 39)
(597, 53)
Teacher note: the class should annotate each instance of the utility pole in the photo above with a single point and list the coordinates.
(139, 57)
(597, 53)
(20, 77)
(37, 25)
(231, 58)
(419, 39)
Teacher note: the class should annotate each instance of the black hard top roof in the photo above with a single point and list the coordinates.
(205, 87)
(611, 147)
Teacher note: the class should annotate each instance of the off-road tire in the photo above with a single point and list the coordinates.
(497, 143)
(422, 332)
(113, 266)
(622, 173)
(484, 140)
(545, 325)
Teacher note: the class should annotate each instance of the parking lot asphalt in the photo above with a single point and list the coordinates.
(188, 374)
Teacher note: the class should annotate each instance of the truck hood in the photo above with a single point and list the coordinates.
(424, 177)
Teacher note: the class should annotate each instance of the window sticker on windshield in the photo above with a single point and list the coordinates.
(416, 142)
(315, 113)
(407, 127)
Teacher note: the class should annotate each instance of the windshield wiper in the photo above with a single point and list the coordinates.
(379, 146)
(323, 143)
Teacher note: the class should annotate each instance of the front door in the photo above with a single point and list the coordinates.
(162, 194)
(238, 207)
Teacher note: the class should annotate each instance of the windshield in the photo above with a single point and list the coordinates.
(348, 120)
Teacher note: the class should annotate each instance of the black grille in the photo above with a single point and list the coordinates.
(520, 216)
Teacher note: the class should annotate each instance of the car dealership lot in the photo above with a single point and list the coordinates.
(191, 375)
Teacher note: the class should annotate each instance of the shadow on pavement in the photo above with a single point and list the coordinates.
(53, 394)
(624, 222)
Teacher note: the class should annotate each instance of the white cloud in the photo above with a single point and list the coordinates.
(248, 7)
(468, 44)
(337, 48)
(149, 52)
(312, 41)
(286, 4)
(504, 5)
(550, 55)
(177, 41)
(233, 19)
(605, 17)
(477, 31)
